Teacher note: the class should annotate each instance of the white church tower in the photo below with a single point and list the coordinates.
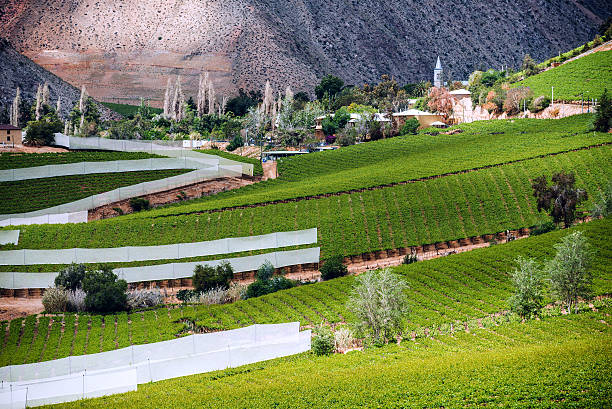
(437, 82)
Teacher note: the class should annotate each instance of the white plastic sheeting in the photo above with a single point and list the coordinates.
(15, 280)
(85, 168)
(128, 192)
(58, 381)
(9, 236)
(159, 147)
(163, 252)
(61, 218)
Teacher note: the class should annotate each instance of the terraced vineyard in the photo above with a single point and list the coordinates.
(588, 75)
(406, 158)
(455, 289)
(29, 195)
(27, 160)
(447, 208)
(556, 362)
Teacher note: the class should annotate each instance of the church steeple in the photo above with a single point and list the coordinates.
(437, 82)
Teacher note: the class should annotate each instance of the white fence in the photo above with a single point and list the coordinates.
(47, 381)
(164, 252)
(9, 236)
(279, 259)
(127, 192)
(61, 218)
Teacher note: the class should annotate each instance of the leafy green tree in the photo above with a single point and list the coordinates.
(265, 271)
(330, 85)
(379, 303)
(104, 291)
(239, 105)
(42, 132)
(569, 272)
(323, 341)
(330, 127)
(341, 118)
(561, 198)
(603, 116)
(528, 298)
(529, 66)
(206, 277)
(410, 127)
(235, 143)
(603, 205)
(71, 277)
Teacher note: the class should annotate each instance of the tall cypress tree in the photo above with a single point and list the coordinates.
(603, 116)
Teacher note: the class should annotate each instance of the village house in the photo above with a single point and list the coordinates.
(426, 119)
(10, 135)
(355, 118)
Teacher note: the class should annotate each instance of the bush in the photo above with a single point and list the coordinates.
(55, 299)
(410, 258)
(236, 143)
(410, 127)
(139, 299)
(76, 300)
(540, 103)
(42, 132)
(185, 295)
(71, 277)
(138, 203)
(347, 137)
(206, 277)
(333, 268)
(323, 342)
(603, 205)
(528, 298)
(257, 289)
(542, 228)
(379, 304)
(343, 339)
(603, 117)
(265, 271)
(105, 293)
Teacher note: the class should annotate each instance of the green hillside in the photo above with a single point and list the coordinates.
(554, 363)
(453, 289)
(588, 75)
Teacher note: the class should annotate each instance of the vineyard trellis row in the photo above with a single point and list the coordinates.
(457, 288)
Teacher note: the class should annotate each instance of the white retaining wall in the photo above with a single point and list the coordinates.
(104, 373)
(15, 280)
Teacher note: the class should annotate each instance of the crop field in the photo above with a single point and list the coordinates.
(27, 160)
(556, 362)
(29, 195)
(446, 208)
(588, 75)
(453, 289)
(404, 158)
(257, 168)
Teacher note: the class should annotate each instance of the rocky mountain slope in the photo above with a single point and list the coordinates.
(18, 71)
(124, 49)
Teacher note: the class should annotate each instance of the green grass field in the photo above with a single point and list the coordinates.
(588, 75)
(453, 289)
(257, 168)
(28, 195)
(27, 160)
(128, 110)
(561, 362)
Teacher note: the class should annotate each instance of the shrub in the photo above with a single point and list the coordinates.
(541, 228)
(206, 277)
(540, 103)
(138, 203)
(323, 341)
(55, 299)
(139, 299)
(215, 295)
(257, 289)
(333, 268)
(379, 304)
(347, 137)
(528, 298)
(71, 277)
(603, 117)
(236, 143)
(410, 258)
(410, 127)
(42, 132)
(343, 339)
(105, 293)
(76, 300)
(569, 273)
(185, 295)
(265, 271)
(603, 205)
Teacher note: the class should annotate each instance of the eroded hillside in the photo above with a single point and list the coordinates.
(127, 48)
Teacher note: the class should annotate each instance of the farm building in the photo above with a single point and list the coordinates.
(10, 135)
(424, 118)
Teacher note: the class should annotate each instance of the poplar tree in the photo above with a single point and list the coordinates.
(211, 98)
(15, 112)
(39, 96)
(167, 97)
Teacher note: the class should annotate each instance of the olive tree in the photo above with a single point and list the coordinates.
(379, 303)
(528, 297)
(568, 271)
